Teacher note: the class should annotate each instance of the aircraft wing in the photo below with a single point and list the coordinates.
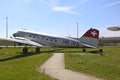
(22, 41)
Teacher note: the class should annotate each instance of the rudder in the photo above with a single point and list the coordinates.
(91, 37)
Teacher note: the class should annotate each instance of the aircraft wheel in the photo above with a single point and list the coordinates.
(25, 50)
(101, 51)
(37, 49)
(83, 50)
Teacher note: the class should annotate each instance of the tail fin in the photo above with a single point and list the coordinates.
(90, 38)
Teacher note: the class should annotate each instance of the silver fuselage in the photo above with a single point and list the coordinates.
(47, 40)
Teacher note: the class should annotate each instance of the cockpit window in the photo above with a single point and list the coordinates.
(18, 31)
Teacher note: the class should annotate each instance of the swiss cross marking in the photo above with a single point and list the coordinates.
(93, 33)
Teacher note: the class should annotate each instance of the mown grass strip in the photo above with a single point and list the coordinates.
(106, 66)
(16, 66)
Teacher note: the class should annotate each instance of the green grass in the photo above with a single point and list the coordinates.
(8, 43)
(106, 66)
(17, 66)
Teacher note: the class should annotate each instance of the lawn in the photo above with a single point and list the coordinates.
(17, 66)
(106, 66)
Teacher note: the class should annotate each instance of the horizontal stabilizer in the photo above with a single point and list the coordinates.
(90, 46)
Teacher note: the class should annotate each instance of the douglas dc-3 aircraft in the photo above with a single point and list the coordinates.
(89, 39)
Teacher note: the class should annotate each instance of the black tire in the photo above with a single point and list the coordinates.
(37, 49)
(83, 50)
(25, 50)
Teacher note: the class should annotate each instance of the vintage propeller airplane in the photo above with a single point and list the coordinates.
(89, 39)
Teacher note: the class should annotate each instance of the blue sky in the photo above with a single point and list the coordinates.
(59, 17)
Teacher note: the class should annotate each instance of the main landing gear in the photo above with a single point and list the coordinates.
(37, 49)
(101, 51)
(83, 50)
(25, 50)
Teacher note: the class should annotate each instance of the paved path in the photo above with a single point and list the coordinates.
(55, 68)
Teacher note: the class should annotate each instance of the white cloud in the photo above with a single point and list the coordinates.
(65, 9)
(111, 4)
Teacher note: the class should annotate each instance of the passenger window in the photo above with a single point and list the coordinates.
(29, 35)
(55, 40)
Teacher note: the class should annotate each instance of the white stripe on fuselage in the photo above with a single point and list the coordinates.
(48, 40)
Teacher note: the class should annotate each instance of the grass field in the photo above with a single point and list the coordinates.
(17, 66)
(106, 66)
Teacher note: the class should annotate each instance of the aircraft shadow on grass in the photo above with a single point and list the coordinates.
(93, 52)
(21, 55)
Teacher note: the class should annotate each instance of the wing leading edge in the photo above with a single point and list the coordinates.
(22, 41)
